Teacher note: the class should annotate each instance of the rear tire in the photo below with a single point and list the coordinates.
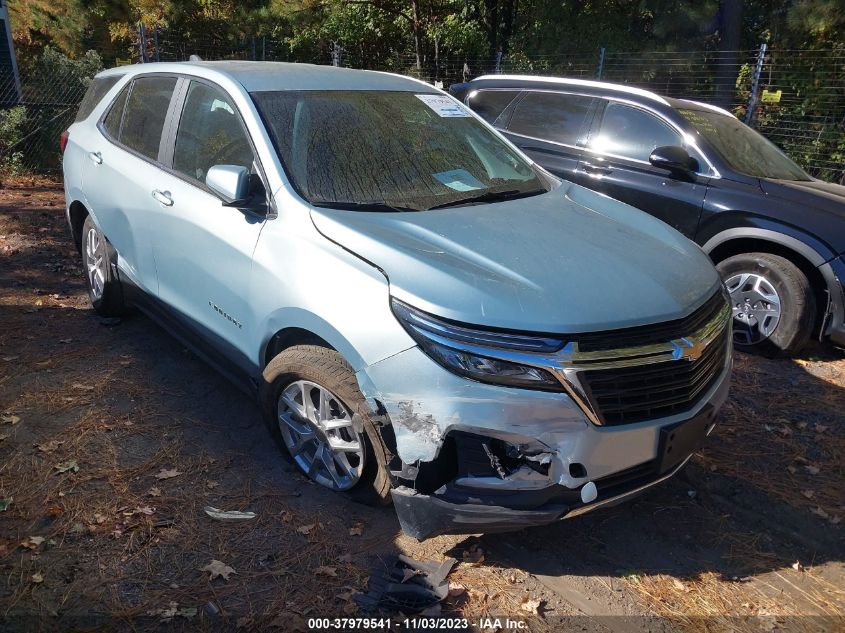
(99, 263)
(319, 370)
(773, 304)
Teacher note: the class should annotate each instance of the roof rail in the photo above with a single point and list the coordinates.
(709, 107)
(581, 82)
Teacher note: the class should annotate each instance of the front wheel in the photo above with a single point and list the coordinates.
(773, 304)
(317, 414)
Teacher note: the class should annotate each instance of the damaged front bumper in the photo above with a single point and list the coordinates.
(471, 457)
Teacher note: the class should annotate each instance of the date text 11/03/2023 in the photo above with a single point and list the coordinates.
(417, 623)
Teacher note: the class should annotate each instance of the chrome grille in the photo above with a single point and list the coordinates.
(634, 389)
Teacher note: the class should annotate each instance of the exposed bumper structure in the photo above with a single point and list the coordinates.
(472, 457)
(834, 274)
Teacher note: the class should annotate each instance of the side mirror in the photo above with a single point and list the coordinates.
(231, 182)
(673, 158)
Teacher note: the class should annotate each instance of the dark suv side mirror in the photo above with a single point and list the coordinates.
(674, 158)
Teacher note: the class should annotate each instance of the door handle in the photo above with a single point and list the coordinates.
(163, 197)
(96, 157)
(591, 168)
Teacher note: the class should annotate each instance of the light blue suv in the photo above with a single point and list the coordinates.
(424, 313)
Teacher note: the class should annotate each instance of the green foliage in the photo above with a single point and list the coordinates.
(12, 131)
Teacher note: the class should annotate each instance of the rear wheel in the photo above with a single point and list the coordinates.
(98, 261)
(773, 304)
(317, 414)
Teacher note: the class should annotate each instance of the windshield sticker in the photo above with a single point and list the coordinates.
(459, 180)
(443, 106)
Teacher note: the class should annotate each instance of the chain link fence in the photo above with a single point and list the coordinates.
(796, 98)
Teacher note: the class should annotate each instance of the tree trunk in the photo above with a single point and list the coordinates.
(491, 17)
(507, 25)
(730, 40)
(415, 14)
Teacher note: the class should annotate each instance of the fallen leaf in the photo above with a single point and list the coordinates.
(10, 419)
(54, 511)
(49, 447)
(167, 473)
(37, 578)
(813, 470)
(530, 606)
(792, 469)
(217, 568)
(819, 512)
(154, 492)
(5, 436)
(228, 515)
(80, 387)
(144, 510)
(64, 467)
(808, 493)
(356, 530)
(456, 589)
(32, 542)
(306, 529)
(821, 428)
(211, 485)
(326, 571)
(797, 566)
(680, 586)
(785, 431)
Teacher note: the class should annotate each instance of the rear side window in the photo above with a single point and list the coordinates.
(112, 121)
(96, 91)
(210, 133)
(552, 116)
(632, 133)
(146, 110)
(489, 104)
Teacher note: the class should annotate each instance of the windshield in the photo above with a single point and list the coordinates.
(742, 148)
(390, 150)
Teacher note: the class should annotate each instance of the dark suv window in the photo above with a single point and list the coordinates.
(97, 89)
(489, 104)
(210, 133)
(112, 121)
(552, 116)
(146, 109)
(632, 133)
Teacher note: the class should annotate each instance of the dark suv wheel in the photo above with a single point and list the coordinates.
(773, 304)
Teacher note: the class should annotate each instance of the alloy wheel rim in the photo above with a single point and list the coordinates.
(756, 307)
(95, 262)
(317, 429)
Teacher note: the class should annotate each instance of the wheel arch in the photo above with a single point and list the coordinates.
(803, 256)
(77, 212)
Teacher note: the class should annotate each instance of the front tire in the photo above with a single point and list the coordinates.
(99, 264)
(773, 303)
(318, 416)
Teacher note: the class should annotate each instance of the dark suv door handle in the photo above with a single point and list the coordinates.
(590, 168)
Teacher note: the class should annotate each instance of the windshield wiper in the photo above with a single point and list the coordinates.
(491, 196)
(351, 205)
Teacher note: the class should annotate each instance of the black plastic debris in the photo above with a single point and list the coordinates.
(410, 586)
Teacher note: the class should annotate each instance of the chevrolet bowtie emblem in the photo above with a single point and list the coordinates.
(687, 349)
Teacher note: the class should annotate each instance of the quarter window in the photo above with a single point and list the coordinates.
(210, 133)
(552, 116)
(632, 133)
(96, 91)
(146, 110)
(112, 121)
(489, 104)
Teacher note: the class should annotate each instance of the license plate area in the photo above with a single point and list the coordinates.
(677, 441)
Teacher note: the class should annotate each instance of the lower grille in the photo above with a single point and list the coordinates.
(639, 392)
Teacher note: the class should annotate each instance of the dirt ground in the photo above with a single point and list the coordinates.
(113, 438)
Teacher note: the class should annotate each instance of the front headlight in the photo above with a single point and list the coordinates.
(462, 350)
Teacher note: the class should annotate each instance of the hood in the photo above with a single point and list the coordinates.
(818, 194)
(567, 261)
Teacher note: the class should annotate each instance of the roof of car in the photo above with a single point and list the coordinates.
(264, 76)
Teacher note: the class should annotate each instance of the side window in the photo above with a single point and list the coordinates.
(552, 116)
(97, 89)
(632, 133)
(112, 121)
(146, 109)
(210, 133)
(489, 104)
